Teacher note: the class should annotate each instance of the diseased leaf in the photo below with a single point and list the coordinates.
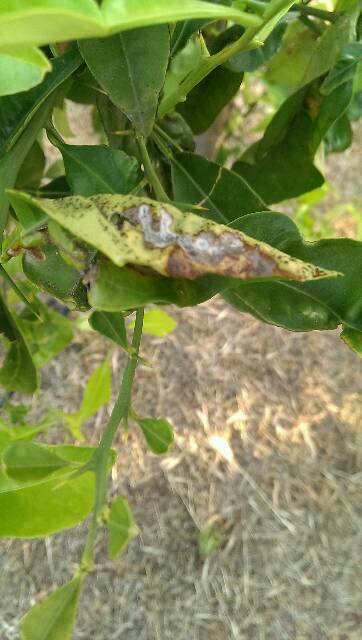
(118, 64)
(161, 237)
(121, 527)
(28, 462)
(54, 617)
(158, 434)
(21, 68)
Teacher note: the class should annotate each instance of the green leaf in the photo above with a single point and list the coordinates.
(330, 45)
(110, 325)
(18, 372)
(179, 245)
(339, 136)
(280, 165)
(44, 21)
(98, 169)
(121, 289)
(52, 274)
(157, 323)
(21, 68)
(223, 194)
(32, 170)
(353, 339)
(158, 434)
(121, 527)
(46, 335)
(28, 462)
(22, 117)
(345, 68)
(54, 617)
(308, 306)
(255, 58)
(208, 542)
(96, 394)
(118, 64)
(49, 505)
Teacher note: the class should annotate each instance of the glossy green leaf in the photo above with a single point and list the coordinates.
(308, 306)
(158, 434)
(98, 169)
(18, 372)
(223, 194)
(28, 462)
(345, 68)
(121, 527)
(50, 505)
(110, 325)
(54, 617)
(118, 64)
(52, 274)
(96, 394)
(44, 21)
(157, 323)
(21, 68)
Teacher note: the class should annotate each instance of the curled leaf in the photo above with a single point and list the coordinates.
(140, 231)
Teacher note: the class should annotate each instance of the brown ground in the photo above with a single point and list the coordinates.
(268, 450)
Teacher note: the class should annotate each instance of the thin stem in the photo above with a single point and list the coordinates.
(329, 16)
(99, 463)
(151, 174)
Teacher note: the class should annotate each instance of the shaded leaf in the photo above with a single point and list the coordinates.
(31, 172)
(345, 68)
(158, 434)
(98, 169)
(46, 335)
(18, 372)
(121, 527)
(54, 617)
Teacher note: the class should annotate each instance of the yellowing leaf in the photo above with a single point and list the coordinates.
(144, 232)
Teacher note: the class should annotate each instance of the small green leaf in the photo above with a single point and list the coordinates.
(47, 335)
(209, 541)
(110, 325)
(96, 394)
(345, 68)
(121, 527)
(21, 68)
(157, 323)
(353, 339)
(27, 462)
(158, 434)
(54, 617)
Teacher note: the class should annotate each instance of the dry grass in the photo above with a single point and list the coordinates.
(267, 431)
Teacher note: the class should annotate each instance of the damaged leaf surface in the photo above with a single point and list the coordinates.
(140, 231)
